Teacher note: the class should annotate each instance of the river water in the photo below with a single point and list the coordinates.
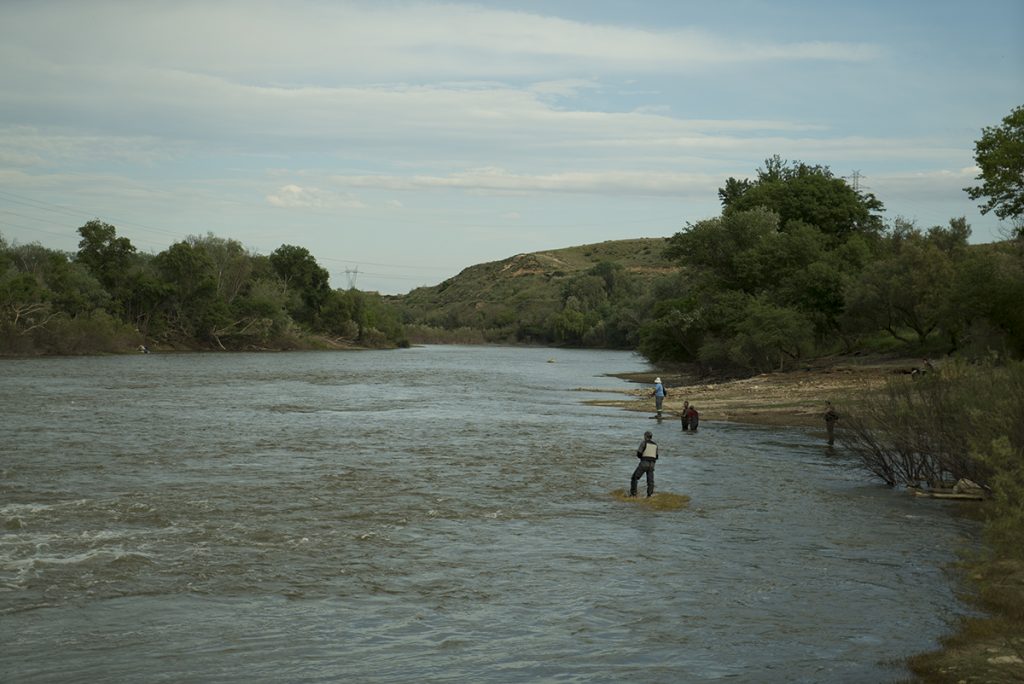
(435, 514)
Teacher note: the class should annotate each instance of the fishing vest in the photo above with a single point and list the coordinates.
(650, 450)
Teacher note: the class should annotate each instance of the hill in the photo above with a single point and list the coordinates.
(520, 298)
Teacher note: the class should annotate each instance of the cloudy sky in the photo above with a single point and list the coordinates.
(402, 141)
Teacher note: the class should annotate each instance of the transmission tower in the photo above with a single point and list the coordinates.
(855, 180)
(352, 274)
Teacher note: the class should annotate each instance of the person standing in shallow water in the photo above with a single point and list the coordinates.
(830, 422)
(647, 452)
(659, 394)
(691, 418)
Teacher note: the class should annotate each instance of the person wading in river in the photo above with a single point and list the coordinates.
(659, 394)
(690, 418)
(830, 422)
(647, 452)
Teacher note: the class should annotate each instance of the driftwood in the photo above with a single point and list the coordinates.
(963, 490)
(949, 494)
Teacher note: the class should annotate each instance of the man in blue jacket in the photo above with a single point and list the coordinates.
(659, 394)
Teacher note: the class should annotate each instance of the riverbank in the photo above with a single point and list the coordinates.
(983, 648)
(792, 398)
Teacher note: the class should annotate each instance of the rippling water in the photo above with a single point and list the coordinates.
(434, 514)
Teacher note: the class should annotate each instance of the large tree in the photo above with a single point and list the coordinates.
(1000, 156)
(912, 285)
(109, 259)
(805, 193)
(105, 255)
(304, 279)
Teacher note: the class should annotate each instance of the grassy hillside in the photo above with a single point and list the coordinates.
(538, 275)
(516, 298)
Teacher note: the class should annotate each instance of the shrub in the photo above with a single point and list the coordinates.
(941, 426)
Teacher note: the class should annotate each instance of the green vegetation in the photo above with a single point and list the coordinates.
(963, 420)
(201, 293)
(960, 420)
(1000, 156)
(592, 296)
(800, 265)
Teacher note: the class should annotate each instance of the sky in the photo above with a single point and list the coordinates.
(403, 141)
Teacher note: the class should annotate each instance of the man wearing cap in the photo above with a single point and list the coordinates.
(647, 452)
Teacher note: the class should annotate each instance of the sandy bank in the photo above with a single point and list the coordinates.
(794, 398)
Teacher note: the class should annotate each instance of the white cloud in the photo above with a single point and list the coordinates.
(286, 42)
(218, 110)
(296, 197)
(939, 185)
(357, 79)
(498, 180)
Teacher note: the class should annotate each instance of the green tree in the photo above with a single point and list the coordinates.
(999, 154)
(570, 325)
(107, 257)
(261, 311)
(675, 331)
(232, 265)
(817, 290)
(807, 193)
(376, 322)
(768, 333)
(726, 249)
(303, 277)
(617, 281)
(51, 304)
(988, 292)
(586, 292)
(70, 288)
(147, 295)
(193, 308)
(909, 289)
(24, 303)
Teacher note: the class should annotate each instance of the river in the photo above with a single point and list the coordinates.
(435, 514)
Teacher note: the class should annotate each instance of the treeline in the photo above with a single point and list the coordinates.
(200, 293)
(800, 264)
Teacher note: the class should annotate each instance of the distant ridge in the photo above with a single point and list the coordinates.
(588, 295)
(539, 276)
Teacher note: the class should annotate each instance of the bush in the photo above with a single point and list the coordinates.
(98, 332)
(938, 427)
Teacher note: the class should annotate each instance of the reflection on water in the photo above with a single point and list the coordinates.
(442, 513)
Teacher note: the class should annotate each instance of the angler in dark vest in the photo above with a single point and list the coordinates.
(647, 452)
